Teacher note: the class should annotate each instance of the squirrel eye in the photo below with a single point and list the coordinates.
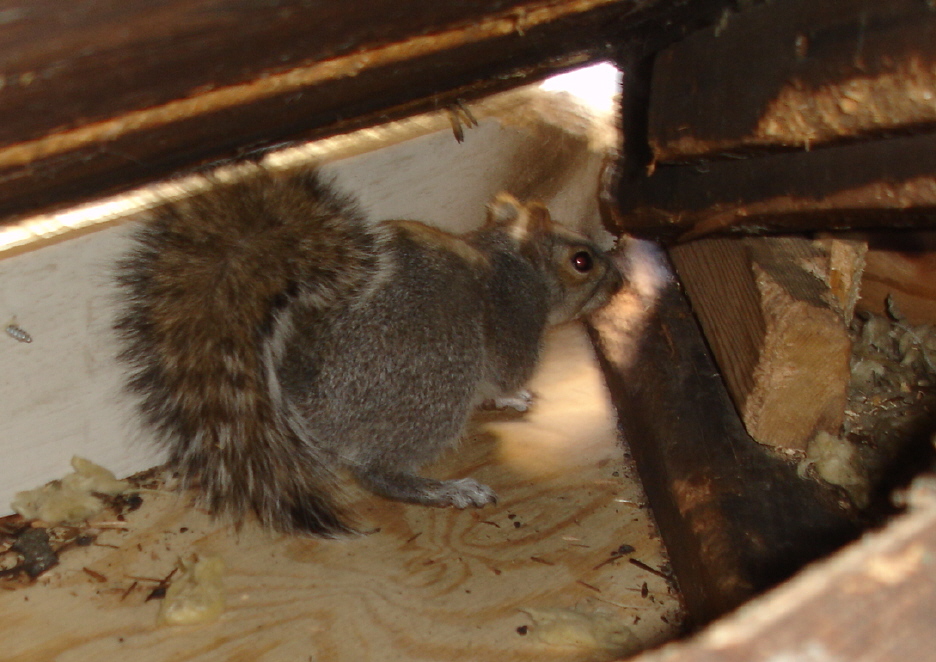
(582, 262)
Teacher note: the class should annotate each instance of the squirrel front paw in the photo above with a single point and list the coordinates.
(520, 401)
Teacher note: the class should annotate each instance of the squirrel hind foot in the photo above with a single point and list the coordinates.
(464, 492)
(522, 401)
(410, 488)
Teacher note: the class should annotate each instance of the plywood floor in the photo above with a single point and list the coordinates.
(426, 585)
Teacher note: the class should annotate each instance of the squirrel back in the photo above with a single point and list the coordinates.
(276, 338)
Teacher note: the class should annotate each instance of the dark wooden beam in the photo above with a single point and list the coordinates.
(791, 116)
(735, 517)
(102, 95)
(871, 603)
(795, 75)
(882, 183)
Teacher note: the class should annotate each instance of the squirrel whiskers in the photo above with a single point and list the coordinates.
(275, 338)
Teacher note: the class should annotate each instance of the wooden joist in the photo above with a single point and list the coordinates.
(791, 116)
(100, 96)
(735, 517)
(885, 182)
(777, 330)
(795, 75)
(871, 603)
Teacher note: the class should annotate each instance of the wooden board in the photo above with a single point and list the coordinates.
(735, 516)
(776, 330)
(429, 585)
(871, 603)
(883, 183)
(794, 75)
(902, 267)
(101, 96)
(794, 116)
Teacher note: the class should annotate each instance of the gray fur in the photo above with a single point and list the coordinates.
(275, 338)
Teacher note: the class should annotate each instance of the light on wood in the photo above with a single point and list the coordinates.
(772, 311)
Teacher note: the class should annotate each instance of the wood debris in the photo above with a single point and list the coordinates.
(56, 522)
(891, 410)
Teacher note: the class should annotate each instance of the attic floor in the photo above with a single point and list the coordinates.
(425, 584)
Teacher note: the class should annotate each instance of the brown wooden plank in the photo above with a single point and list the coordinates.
(880, 183)
(781, 344)
(802, 115)
(735, 517)
(81, 62)
(903, 268)
(125, 92)
(871, 603)
(794, 74)
(100, 96)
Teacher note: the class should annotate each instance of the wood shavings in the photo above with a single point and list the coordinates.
(195, 597)
(34, 541)
(599, 633)
(71, 499)
(54, 503)
(94, 478)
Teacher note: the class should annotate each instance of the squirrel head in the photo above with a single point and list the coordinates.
(580, 277)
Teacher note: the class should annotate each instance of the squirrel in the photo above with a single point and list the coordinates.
(276, 339)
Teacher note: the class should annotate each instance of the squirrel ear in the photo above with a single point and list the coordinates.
(522, 220)
(504, 209)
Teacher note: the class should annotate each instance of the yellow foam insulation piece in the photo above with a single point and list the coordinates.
(594, 632)
(72, 498)
(195, 597)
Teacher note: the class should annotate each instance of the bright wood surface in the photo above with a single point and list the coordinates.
(765, 304)
(428, 585)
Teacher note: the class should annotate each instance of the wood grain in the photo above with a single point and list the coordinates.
(870, 603)
(888, 183)
(735, 516)
(426, 584)
(905, 272)
(796, 75)
(776, 330)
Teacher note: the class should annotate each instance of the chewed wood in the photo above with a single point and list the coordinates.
(423, 584)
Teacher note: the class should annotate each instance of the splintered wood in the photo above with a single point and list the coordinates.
(774, 311)
(566, 566)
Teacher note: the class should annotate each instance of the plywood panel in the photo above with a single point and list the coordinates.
(426, 584)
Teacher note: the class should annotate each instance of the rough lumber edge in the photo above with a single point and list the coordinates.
(873, 602)
(254, 77)
(735, 518)
(795, 74)
(883, 183)
(831, 74)
(774, 326)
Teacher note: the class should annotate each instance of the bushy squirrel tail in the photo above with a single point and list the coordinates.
(208, 290)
